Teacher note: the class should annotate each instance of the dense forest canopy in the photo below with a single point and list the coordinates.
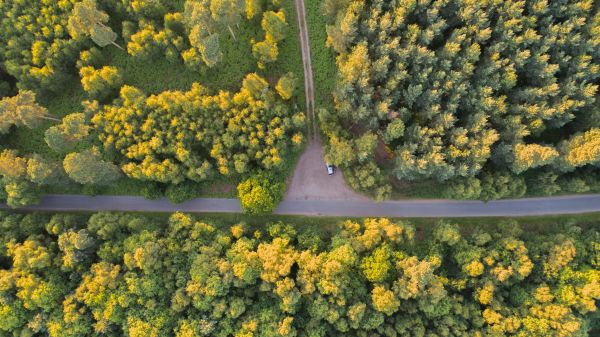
(177, 135)
(464, 91)
(107, 128)
(129, 275)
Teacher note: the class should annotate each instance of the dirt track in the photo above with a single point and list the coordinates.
(311, 181)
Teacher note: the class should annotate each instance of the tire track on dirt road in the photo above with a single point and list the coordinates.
(309, 87)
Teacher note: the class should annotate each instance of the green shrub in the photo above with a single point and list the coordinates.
(182, 192)
(260, 194)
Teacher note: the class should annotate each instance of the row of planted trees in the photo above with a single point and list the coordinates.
(121, 274)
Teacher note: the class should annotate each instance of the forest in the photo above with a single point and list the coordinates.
(153, 97)
(482, 99)
(119, 274)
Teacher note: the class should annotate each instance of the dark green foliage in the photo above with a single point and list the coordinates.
(181, 192)
(152, 191)
(129, 275)
(456, 89)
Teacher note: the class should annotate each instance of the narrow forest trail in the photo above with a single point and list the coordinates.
(309, 88)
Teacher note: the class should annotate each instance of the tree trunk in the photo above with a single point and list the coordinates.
(232, 34)
(116, 45)
(50, 118)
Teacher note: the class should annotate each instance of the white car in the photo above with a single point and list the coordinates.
(330, 169)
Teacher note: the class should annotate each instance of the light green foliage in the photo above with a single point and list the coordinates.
(21, 177)
(286, 86)
(99, 83)
(265, 52)
(377, 266)
(22, 110)
(63, 137)
(42, 171)
(529, 156)
(394, 130)
(21, 193)
(226, 13)
(87, 167)
(582, 149)
(209, 49)
(236, 132)
(87, 20)
(11, 165)
(253, 8)
(260, 194)
(274, 25)
(184, 276)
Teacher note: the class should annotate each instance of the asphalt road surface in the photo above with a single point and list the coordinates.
(343, 208)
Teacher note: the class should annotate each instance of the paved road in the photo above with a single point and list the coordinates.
(342, 208)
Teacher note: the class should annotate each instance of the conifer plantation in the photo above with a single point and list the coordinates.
(486, 99)
(119, 275)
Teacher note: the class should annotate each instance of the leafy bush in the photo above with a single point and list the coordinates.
(260, 194)
(182, 192)
(99, 83)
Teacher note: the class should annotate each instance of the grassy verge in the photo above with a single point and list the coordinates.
(158, 74)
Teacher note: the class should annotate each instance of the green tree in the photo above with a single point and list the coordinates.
(265, 52)
(529, 156)
(42, 171)
(581, 149)
(259, 194)
(253, 8)
(274, 25)
(22, 110)
(21, 193)
(207, 45)
(87, 20)
(87, 167)
(227, 13)
(99, 83)
(63, 137)
(286, 86)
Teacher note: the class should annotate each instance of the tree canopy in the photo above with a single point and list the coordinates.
(193, 135)
(457, 89)
(122, 274)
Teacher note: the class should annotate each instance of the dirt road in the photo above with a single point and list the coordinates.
(309, 88)
(311, 181)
